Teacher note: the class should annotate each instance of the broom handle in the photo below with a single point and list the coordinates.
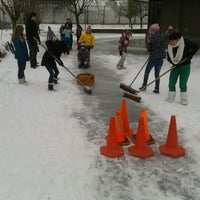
(170, 69)
(139, 72)
(56, 59)
(59, 62)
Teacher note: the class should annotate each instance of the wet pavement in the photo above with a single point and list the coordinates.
(126, 177)
(106, 91)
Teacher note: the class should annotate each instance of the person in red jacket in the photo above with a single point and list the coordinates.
(123, 44)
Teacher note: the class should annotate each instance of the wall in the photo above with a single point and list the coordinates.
(182, 14)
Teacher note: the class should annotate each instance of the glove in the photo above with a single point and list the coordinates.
(79, 45)
(92, 46)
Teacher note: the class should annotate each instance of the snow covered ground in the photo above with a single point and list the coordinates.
(49, 146)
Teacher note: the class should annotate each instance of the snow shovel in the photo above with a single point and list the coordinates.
(134, 96)
(86, 88)
(128, 88)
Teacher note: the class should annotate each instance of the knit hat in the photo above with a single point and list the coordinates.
(154, 28)
(88, 29)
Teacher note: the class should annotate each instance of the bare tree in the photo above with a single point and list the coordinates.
(78, 7)
(129, 9)
(19, 10)
(142, 11)
(13, 8)
(118, 11)
(33, 6)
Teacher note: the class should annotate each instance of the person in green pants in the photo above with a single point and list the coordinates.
(179, 53)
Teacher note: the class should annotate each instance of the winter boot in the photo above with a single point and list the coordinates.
(143, 88)
(171, 96)
(55, 80)
(50, 87)
(22, 81)
(184, 100)
(156, 91)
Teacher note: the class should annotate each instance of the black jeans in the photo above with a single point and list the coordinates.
(33, 50)
(21, 68)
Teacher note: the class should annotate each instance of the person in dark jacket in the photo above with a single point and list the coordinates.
(79, 30)
(179, 53)
(21, 52)
(32, 31)
(156, 47)
(83, 56)
(49, 59)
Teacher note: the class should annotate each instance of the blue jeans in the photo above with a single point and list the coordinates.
(157, 64)
(21, 68)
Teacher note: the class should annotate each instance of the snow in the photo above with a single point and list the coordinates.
(49, 146)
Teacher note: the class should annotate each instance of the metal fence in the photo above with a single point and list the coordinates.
(93, 15)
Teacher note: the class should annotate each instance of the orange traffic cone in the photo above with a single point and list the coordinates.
(112, 148)
(171, 148)
(121, 139)
(124, 114)
(148, 137)
(140, 149)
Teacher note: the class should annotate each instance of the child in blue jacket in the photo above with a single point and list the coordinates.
(21, 52)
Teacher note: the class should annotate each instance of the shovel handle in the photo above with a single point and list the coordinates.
(56, 59)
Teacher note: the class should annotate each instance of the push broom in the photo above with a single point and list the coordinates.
(87, 89)
(128, 88)
(134, 96)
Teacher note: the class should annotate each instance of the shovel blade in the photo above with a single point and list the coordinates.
(127, 88)
(133, 97)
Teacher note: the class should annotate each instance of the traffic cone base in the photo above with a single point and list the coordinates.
(172, 152)
(111, 152)
(128, 133)
(112, 148)
(141, 153)
(172, 148)
(125, 142)
(150, 141)
(140, 149)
